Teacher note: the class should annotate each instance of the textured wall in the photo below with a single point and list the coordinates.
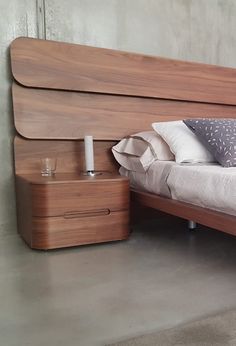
(17, 19)
(198, 30)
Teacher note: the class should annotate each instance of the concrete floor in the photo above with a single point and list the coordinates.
(93, 295)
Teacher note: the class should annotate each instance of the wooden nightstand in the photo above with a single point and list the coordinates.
(70, 209)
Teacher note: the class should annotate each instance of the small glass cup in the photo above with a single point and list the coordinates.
(48, 166)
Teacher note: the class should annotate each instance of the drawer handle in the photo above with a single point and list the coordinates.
(86, 213)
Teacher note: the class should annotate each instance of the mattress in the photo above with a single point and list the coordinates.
(209, 186)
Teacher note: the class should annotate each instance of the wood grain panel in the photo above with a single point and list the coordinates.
(57, 65)
(70, 155)
(57, 232)
(204, 216)
(71, 196)
(52, 114)
(24, 210)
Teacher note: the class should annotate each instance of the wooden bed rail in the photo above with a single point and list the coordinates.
(204, 216)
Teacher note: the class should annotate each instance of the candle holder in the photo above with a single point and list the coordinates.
(89, 157)
(92, 173)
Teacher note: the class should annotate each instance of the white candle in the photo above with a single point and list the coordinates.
(89, 158)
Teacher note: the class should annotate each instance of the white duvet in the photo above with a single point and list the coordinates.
(210, 185)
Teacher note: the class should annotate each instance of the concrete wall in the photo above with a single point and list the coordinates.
(198, 30)
(185, 29)
(18, 18)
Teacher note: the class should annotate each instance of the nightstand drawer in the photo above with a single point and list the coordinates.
(76, 198)
(56, 232)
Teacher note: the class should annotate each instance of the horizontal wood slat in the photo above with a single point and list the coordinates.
(70, 156)
(56, 65)
(52, 114)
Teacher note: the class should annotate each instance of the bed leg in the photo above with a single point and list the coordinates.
(191, 225)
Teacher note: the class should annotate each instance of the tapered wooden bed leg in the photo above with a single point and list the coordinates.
(192, 225)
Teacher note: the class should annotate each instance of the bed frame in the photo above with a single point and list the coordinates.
(63, 91)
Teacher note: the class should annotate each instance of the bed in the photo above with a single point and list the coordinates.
(63, 91)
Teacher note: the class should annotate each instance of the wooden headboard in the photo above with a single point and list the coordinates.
(63, 91)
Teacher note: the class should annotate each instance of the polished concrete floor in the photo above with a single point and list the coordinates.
(94, 295)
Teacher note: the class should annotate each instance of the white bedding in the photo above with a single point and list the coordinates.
(210, 185)
(154, 180)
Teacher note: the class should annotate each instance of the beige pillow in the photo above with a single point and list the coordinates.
(182, 142)
(138, 151)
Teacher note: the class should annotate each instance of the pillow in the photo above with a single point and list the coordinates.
(218, 136)
(137, 152)
(182, 142)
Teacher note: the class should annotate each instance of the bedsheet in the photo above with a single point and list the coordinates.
(154, 180)
(209, 186)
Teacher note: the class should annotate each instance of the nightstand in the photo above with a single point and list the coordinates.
(70, 209)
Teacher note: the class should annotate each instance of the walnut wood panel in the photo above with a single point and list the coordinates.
(57, 232)
(53, 114)
(24, 210)
(57, 65)
(204, 216)
(76, 197)
(70, 155)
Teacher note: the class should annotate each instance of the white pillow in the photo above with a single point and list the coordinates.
(139, 151)
(182, 142)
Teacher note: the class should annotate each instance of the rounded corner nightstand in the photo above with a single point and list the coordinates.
(72, 209)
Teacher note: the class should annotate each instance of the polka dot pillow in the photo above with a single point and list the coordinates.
(218, 136)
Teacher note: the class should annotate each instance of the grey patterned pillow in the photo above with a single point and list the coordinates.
(218, 136)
